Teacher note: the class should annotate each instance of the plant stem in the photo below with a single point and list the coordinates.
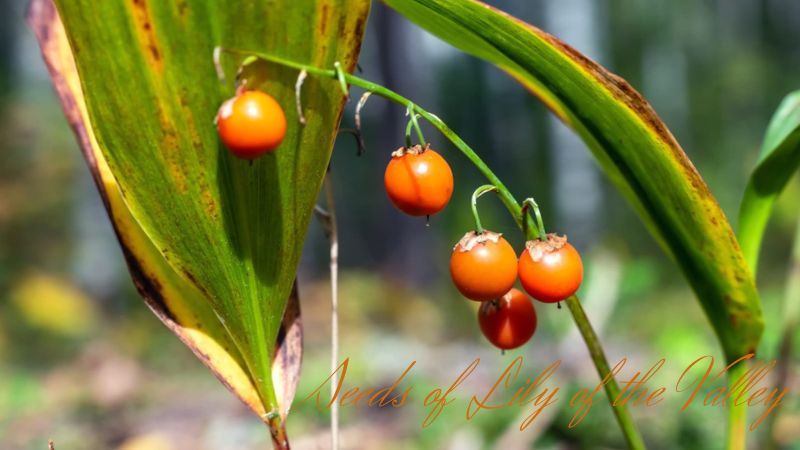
(413, 121)
(623, 416)
(531, 203)
(333, 237)
(474, 204)
(737, 414)
(598, 356)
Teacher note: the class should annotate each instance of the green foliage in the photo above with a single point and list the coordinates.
(778, 161)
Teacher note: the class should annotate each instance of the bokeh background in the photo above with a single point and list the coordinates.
(84, 362)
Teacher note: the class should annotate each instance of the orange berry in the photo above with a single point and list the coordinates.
(550, 271)
(250, 124)
(418, 180)
(483, 266)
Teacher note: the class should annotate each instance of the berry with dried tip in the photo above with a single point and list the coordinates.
(483, 266)
(418, 181)
(509, 321)
(551, 270)
(251, 124)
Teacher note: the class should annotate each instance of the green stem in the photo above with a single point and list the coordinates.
(341, 76)
(623, 416)
(413, 121)
(408, 134)
(737, 414)
(478, 192)
(598, 356)
(531, 203)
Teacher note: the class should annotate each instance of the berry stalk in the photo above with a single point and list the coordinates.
(531, 203)
(474, 204)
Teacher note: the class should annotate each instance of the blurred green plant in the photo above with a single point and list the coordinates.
(778, 161)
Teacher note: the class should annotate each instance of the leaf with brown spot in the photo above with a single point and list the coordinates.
(211, 242)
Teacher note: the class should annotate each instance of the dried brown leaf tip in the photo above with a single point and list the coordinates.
(414, 150)
(471, 239)
(538, 249)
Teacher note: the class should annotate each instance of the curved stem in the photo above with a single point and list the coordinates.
(413, 121)
(531, 203)
(408, 134)
(478, 192)
(623, 416)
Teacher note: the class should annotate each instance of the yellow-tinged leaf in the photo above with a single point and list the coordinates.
(231, 229)
(179, 304)
(175, 302)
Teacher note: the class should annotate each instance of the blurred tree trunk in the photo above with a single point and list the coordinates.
(577, 187)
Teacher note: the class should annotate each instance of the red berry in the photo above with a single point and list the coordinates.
(509, 321)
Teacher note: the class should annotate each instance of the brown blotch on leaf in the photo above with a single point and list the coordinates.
(146, 33)
(323, 19)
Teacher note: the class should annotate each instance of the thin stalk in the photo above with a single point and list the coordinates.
(598, 356)
(408, 134)
(333, 237)
(340, 76)
(737, 414)
(413, 119)
(621, 412)
(531, 203)
(474, 204)
(412, 122)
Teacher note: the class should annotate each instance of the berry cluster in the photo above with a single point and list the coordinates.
(483, 265)
(484, 268)
(418, 180)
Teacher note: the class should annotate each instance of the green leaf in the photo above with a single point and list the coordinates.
(212, 242)
(779, 160)
(632, 145)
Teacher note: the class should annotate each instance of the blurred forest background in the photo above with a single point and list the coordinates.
(83, 361)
